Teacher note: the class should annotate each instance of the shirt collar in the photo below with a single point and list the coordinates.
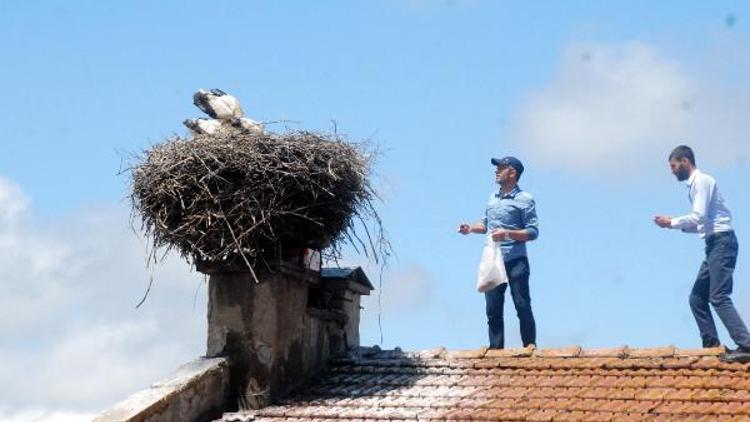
(512, 194)
(691, 179)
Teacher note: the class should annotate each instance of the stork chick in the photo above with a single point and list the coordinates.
(203, 126)
(218, 104)
(226, 112)
(248, 125)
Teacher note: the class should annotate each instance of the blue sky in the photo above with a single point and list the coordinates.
(591, 96)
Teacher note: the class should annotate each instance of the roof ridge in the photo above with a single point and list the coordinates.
(577, 351)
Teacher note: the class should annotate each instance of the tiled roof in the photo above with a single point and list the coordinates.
(568, 384)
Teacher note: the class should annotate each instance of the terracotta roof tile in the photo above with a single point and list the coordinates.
(707, 363)
(636, 363)
(593, 362)
(486, 364)
(742, 382)
(570, 416)
(714, 351)
(678, 394)
(737, 395)
(467, 354)
(634, 381)
(628, 417)
(722, 381)
(506, 353)
(597, 417)
(565, 352)
(644, 394)
(618, 384)
(541, 416)
(438, 353)
(679, 363)
(645, 406)
(656, 352)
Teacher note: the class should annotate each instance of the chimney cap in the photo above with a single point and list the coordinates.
(354, 274)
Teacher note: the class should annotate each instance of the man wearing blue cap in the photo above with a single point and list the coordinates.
(511, 219)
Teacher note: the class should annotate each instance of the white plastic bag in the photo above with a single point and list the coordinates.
(491, 267)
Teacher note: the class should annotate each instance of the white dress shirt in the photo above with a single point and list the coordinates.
(710, 213)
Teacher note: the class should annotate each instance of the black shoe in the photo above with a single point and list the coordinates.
(725, 348)
(738, 355)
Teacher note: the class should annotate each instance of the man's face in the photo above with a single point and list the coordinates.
(680, 168)
(503, 173)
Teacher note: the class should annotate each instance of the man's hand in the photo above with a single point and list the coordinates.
(663, 221)
(464, 228)
(499, 234)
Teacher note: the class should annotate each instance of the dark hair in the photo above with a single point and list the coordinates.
(682, 151)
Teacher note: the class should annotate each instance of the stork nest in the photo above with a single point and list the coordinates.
(231, 198)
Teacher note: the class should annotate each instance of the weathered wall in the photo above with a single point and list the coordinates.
(195, 392)
(264, 328)
(351, 308)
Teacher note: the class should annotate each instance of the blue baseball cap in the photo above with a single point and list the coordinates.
(508, 161)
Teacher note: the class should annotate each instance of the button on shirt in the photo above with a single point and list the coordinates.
(515, 210)
(710, 213)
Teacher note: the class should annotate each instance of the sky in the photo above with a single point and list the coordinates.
(591, 96)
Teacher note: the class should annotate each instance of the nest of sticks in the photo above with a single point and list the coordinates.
(236, 197)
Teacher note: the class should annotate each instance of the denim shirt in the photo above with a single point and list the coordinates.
(515, 210)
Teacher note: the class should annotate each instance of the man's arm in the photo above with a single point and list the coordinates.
(665, 221)
(703, 189)
(522, 235)
(530, 223)
(517, 235)
(478, 227)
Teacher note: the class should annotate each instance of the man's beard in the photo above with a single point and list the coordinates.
(682, 174)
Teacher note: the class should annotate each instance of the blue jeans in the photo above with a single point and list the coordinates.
(714, 285)
(518, 279)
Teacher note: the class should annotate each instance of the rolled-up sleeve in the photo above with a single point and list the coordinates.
(530, 220)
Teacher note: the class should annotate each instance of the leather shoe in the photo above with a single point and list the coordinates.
(738, 355)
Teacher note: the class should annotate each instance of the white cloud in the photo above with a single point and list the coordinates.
(12, 202)
(627, 105)
(36, 415)
(72, 342)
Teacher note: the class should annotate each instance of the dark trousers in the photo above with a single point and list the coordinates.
(714, 285)
(518, 279)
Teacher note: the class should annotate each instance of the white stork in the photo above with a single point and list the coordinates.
(226, 113)
(218, 104)
(203, 126)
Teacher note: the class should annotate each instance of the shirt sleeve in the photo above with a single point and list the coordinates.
(530, 223)
(703, 189)
(483, 220)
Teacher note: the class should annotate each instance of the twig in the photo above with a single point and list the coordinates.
(294, 188)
